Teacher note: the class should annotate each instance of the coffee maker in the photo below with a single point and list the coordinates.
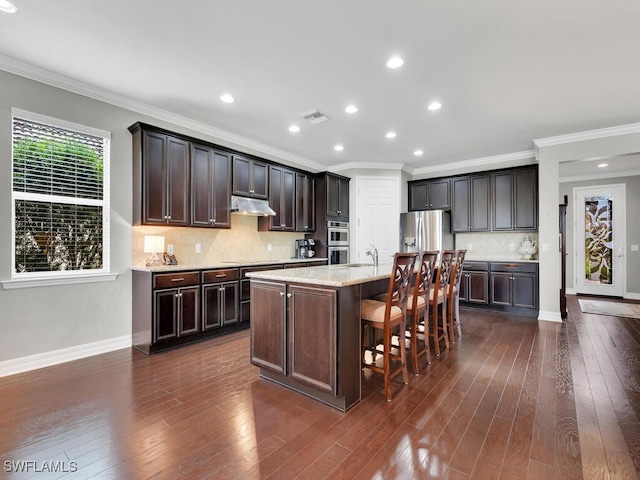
(305, 248)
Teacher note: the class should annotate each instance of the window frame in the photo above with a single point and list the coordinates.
(28, 279)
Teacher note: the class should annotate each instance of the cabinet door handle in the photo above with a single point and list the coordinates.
(177, 279)
(212, 220)
(289, 295)
(221, 275)
(282, 294)
(283, 225)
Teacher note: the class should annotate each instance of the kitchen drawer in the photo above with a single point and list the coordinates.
(514, 267)
(245, 270)
(220, 275)
(174, 280)
(475, 266)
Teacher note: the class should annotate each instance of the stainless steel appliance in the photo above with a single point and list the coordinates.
(426, 230)
(305, 248)
(337, 234)
(338, 255)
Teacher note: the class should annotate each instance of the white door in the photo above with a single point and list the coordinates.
(377, 218)
(599, 233)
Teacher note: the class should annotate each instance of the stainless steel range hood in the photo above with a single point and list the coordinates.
(250, 206)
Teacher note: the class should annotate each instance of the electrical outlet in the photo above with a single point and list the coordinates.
(634, 248)
(198, 248)
(512, 247)
(470, 246)
(269, 247)
(170, 249)
(545, 247)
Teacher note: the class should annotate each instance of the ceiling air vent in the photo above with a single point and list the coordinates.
(314, 116)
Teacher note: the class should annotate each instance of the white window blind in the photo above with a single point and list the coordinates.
(60, 197)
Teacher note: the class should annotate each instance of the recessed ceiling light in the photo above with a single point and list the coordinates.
(226, 98)
(417, 153)
(338, 148)
(602, 165)
(434, 106)
(7, 6)
(351, 109)
(395, 62)
(391, 135)
(294, 128)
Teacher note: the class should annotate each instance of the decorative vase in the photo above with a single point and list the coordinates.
(528, 248)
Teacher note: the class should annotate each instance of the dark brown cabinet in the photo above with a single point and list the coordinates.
(219, 298)
(514, 285)
(250, 177)
(474, 285)
(282, 196)
(430, 194)
(293, 332)
(176, 310)
(161, 179)
(337, 197)
(470, 209)
(245, 289)
(210, 187)
(305, 203)
(515, 199)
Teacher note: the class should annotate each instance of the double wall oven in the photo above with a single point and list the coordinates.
(337, 242)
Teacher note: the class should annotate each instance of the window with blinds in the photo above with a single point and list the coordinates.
(59, 196)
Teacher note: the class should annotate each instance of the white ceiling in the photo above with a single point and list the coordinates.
(507, 72)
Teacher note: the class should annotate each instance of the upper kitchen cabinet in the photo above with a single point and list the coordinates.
(515, 199)
(429, 194)
(337, 196)
(160, 178)
(305, 203)
(210, 187)
(250, 177)
(470, 207)
(282, 195)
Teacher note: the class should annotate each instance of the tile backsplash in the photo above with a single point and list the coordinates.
(489, 246)
(242, 242)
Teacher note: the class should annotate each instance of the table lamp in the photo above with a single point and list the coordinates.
(153, 244)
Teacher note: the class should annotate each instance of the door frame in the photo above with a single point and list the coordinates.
(356, 207)
(619, 287)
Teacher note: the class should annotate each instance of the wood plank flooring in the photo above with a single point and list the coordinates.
(513, 399)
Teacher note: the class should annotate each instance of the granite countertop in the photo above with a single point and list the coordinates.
(222, 264)
(328, 275)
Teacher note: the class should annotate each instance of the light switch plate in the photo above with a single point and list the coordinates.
(634, 248)
(170, 249)
(198, 248)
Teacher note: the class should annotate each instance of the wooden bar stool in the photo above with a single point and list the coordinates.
(418, 309)
(438, 297)
(389, 317)
(453, 297)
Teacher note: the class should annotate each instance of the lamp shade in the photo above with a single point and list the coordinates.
(153, 243)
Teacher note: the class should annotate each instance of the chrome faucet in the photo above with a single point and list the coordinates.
(373, 253)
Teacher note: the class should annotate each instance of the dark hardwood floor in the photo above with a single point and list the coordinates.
(514, 398)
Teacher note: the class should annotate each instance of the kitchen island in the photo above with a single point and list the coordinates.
(305, 327)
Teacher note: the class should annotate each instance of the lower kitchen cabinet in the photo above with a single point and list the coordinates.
(503, 286)
(176, 313)
(219, 298)
(245, 289)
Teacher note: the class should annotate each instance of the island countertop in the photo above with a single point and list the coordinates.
(341, 275)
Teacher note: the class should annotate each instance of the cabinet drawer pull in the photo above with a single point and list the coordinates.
(282, 294)
(221, 275)
(289, 295)
(177, 279)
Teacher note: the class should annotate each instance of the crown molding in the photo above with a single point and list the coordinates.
(47, 77)
(366, 165)
(588, 135)
(580, 178)
(477, 162)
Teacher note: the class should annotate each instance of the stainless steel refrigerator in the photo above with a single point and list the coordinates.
(426, 230)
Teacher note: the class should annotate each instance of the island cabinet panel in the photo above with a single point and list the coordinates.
(245, 289)
(312, 342)
(268, 326)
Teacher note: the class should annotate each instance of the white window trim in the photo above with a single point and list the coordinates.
(24, 280)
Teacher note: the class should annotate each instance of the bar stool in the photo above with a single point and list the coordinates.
(453, 297)
(389, 317)
(418, 309)
(438, 297)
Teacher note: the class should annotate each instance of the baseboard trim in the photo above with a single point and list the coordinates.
(571, 291)
(47, 359)
(549, 316)
(632, 296)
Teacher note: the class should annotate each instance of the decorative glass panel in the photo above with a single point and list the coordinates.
(599, 240)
